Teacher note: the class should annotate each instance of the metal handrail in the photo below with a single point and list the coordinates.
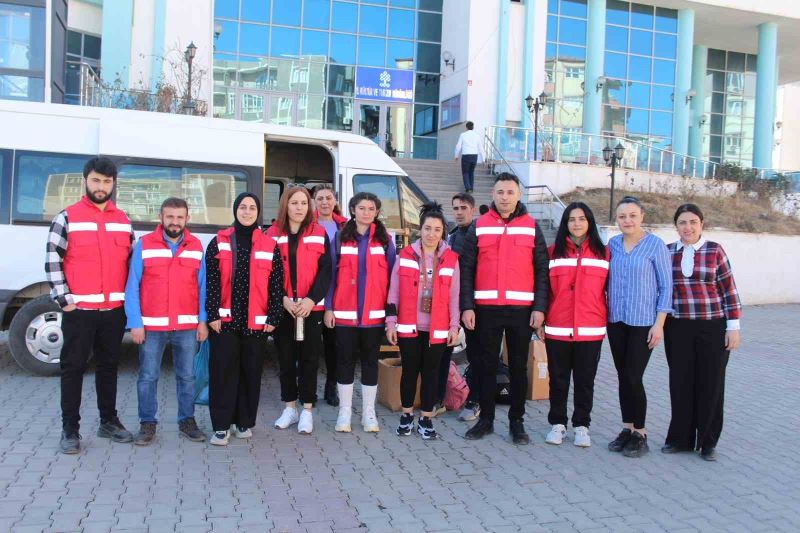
(487, 144)
(585, 148)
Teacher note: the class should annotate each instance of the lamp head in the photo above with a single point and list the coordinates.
(529, 102)
(619, 151)
(607, 153)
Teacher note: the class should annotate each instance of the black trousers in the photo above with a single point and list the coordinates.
(87, 332)
(697, 359)
(473, 354)
(580, 360)
(329, 346)
(299, 361)
(234, 389)
(468, 163)
(491, 323)
(419, 359)
(443, 370)
(631, 355)
(353, 344)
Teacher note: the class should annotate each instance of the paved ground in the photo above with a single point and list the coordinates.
(281, 481)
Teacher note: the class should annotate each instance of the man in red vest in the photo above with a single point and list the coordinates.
(504, 290)
(165, 304)
(87, 266)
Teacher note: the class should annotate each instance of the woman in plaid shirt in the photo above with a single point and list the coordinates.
(699, 336)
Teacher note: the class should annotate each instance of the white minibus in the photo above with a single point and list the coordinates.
(43, 148)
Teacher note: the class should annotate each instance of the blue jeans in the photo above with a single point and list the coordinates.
(184, 348)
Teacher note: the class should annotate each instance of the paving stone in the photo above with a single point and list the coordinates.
(281, 481)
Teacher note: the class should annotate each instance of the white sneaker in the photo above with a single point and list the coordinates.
(470, 412)
(220, 438)
(369, 419)
(556, 435)
(582, 438)
(287, 418)
(241, 433)
(345, 407)
(306, 423)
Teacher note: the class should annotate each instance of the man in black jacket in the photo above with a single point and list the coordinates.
(494, 314)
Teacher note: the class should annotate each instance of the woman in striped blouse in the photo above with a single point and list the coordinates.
(699, 336)
(639, 300)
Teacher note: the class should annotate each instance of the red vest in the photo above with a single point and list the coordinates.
(96, 262)
(261, 251)
(408, 272)
(577, 309)
(345, 297)
(504, 270)
(339, 219)
(310, 247)
(168, 291)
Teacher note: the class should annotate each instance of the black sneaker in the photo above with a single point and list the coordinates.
(636, 446)
(406, 425)
(331, 394)
(70, 442)
(517, 430)
(618, 444)
(671, 448)
(114, 430)
(188, 428)
(481, 428)
(425, 428)
(708, 454)
(146, 435)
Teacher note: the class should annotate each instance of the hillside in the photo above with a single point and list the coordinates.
(738, 213)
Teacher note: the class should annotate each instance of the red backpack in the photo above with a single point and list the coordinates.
(457, 389)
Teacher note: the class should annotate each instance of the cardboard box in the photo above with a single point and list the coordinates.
(538, 376)
(389, 372)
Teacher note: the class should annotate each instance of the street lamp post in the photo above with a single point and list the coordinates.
(534, 105)
(613, 156)
(189, 54)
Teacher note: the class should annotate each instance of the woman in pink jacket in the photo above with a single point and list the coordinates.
(422, 315)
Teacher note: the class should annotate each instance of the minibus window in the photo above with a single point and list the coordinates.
(44, 184)
(412, 203)
(385, 188)
(209, 192)
(272, 197)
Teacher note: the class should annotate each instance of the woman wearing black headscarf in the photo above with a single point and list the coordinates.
(244, 287)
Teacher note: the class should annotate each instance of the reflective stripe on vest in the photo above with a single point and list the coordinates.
(406, 328)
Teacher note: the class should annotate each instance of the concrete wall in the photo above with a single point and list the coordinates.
(787, 137)
(470, 34)
(87, 18)
(565, 177)
(760, 263)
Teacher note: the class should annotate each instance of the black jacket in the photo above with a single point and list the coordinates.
(467, 262)
(458, 237)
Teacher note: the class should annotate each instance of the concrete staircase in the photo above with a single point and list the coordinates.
(440, 180)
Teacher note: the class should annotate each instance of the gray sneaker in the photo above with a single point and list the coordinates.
(70, 442)
(470, 412)
(114, 430)
(188, 428)
(146, 435)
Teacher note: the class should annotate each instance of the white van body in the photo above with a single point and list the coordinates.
(264, 157)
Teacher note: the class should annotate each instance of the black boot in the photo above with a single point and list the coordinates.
(481, 428)
(517, 430)
(331, 395)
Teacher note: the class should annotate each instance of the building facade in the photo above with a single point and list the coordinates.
(697, 78)
(713, 79)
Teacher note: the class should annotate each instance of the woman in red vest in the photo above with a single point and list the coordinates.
(304, 250)
(328, 215)
(576, 319)
(244, 287)
(356, 304)
(423, 313)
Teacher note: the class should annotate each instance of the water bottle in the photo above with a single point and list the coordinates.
(299, 328)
